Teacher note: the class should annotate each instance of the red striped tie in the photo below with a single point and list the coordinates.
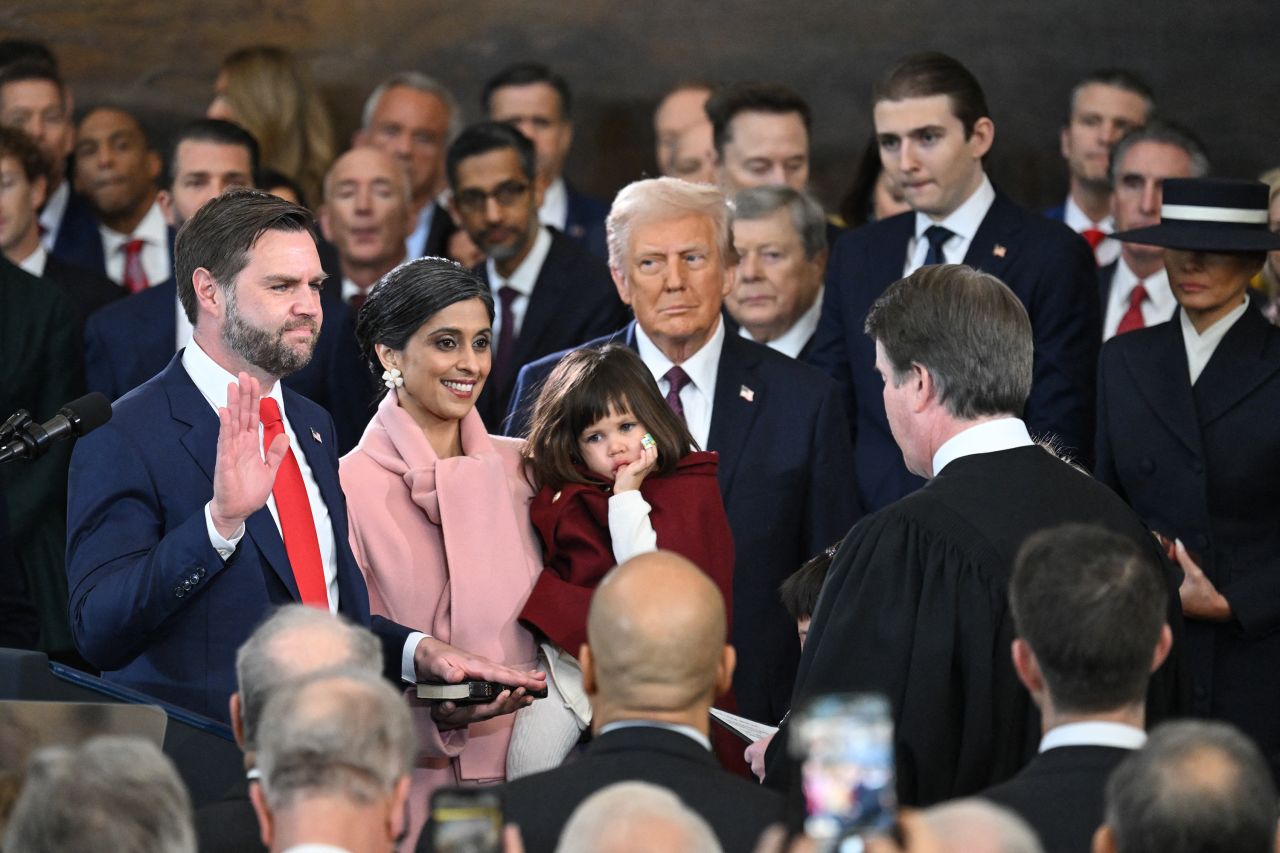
(297, 525)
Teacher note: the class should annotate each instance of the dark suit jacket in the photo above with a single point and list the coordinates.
(785, 468)
(915, 606)
(1060, 794)
(132, 340)
(152, 604)
(1047, 265)
(737, 810)
(1057, 214)
(229, 825)
(585, 221)
(79, 241)
(573, 301)
(436, 243)
(1202, 463)
(88, 291)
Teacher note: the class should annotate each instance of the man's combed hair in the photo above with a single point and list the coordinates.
(1164, 133)
(660, 199)
(526, 74)
(485, 136)
(923, 75)
(15, 143)
(213, 130)
(221, 234)
(1091, 606)
(807, 216)
(727, 102)
(967, 328)
(1116, 78)
(799, 592)
(419, 82)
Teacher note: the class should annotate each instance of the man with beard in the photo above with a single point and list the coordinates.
(212, 495)
(550, 292)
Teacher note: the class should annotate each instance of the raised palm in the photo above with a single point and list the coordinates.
(242, 478)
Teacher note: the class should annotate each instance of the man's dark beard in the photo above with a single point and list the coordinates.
(264, 349)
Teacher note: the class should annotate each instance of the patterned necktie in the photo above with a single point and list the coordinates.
(297, 524)
(506, 333)
(936, 235)
(135, 277)
(676, 379)
(1132, 318)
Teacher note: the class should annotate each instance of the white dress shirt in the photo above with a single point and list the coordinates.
(698, 396)
(55, 207)
(212, 379)
(154, 232)
(1157, 308)
(34, 262)
(963, 223)
(555, 205)
(790, 342)
(1093, 733)
(1078, 221)
(688, 731)
(1200, 345)
(522, 281)
(986, 437)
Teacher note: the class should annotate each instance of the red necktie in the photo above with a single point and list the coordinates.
(135, 277)
(1132, 318)
(676, 379)
(1094, 236)
(297, 525)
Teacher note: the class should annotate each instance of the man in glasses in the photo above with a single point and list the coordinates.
(549, 292)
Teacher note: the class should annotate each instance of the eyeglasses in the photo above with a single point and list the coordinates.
(505, 194)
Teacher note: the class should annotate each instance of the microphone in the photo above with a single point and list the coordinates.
(30, 440)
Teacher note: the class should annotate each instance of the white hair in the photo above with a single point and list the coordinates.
(665, 198)
(419, 82)
(977, 826)
(636, 817)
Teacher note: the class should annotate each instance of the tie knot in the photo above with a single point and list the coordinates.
(133, 247)
(676, 379)
(1094, 236)
(937, 236)
(269, 411)
(1138, 295)
(507, 295)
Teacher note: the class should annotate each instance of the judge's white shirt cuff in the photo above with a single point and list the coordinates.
(408, 672)
(225, 547)
(629, 527)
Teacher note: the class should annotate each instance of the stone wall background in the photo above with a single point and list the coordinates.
(1213, 65)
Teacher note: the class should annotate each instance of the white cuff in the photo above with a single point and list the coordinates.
(629, 526)
(224, 547)
(408, 672)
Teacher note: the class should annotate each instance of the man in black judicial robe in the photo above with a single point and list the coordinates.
(915, 605)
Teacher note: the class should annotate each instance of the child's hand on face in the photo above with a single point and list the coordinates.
(631, 475)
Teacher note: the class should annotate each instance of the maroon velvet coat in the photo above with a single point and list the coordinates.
(686, 513)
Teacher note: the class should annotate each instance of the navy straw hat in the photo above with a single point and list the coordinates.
(1210, 215)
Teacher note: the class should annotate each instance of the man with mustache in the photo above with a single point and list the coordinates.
(212, 495)
(550, 292)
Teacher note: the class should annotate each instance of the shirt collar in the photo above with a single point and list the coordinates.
(55, 207)
(700, 367)
(555, 205)
(1211, 336)
(152, 230)
(211, 379)
(1093, 733)
(1077, 220)
(986, 437)
(1156, 285)
(688, 731)
(965, 219)
(525, 276)
(34, 263)
(793, 340)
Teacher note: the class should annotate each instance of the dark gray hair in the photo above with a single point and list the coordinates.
(109, 793)
(1196, 787)
(665, 198)
(264, 662)
(967, 328)
(806, 214)
(1166, 133)
(1116, 78)
(420, 82)
(344, 732)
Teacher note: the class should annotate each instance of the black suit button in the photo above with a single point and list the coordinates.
(199, 573)
(186, 585)
(179, 591)
(1147, 465)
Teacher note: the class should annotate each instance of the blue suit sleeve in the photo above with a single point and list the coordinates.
(830, 352)
(832, 492)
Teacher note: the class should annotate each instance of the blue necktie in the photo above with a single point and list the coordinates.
(936, 235)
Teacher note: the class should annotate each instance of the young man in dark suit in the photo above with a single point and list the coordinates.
(779, 426)
(655, 659)
(549, 291)
(934, 129)
(1086, 659)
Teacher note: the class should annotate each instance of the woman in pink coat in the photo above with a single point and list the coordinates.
(439, 509)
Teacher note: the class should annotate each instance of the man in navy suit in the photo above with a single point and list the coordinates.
(189, 517)
(786, 466)
(130, 341)
(551, 292)
(537, 100)
(1086, 659)
(934, 129)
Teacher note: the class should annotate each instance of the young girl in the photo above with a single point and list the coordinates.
(618, 475)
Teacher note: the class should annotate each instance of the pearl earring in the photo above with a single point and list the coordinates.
(392, 379)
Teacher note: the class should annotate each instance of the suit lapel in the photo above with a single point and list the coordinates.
(737, 401)
(549, 290)
(995, 245)
(1160, 376)
(886, 267)
(1236, 368)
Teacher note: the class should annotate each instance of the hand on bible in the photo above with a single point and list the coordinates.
(242, 479)
(1200, 598)
(434, 660)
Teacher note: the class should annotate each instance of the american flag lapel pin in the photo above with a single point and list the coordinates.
(999, 251)
(747, 394)
(315, 433)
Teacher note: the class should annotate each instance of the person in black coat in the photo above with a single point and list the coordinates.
(655, 659)
(1188, 435)
(915, 603)
(1086, 660)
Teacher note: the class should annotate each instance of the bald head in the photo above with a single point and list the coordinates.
(656, 634)
(977, 826)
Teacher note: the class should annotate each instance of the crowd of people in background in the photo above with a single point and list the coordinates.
(420, 410)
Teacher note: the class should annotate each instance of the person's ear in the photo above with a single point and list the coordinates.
(237, 719)
(165, 199)
(266, 825)
(1064, 141)
(39, 191)
(1163, 645)
(398, 813)
(588, 664)
(724, 669)
(620, 282)
(1027, 667)
(982, 137)
(209, 294)
(387, 357)
(924, 390)
(326, 230)
(154, 165)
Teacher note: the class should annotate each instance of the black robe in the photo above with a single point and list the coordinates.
(916, 607)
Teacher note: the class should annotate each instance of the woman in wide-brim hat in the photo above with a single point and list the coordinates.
(1189, 435)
